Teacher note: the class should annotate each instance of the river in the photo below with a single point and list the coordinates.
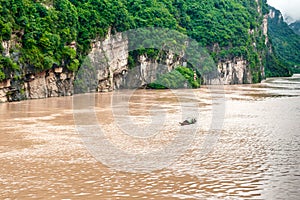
(128, 144)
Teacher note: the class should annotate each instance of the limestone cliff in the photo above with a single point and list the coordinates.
(105, 67)
(43, 44)
(148, 69)
(237, 70)
(114, 50)
(108, 59)
(107, 63)
(4, 89)
(54, 82)
(50, 83)
(234, 71)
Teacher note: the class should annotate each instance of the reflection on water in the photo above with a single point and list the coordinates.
(256, 156)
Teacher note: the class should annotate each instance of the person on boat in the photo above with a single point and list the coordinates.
(188, 122)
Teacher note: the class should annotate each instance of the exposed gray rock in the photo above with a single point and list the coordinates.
(4, 89)
(149, 69)
(49, 84)
(234, 72)
(109, 59)
(106, 69)
(6, 47)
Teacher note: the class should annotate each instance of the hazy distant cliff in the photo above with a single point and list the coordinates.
(295, 26)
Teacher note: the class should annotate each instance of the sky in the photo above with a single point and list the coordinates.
(287, 7)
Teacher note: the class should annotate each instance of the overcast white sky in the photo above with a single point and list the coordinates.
(289, 7)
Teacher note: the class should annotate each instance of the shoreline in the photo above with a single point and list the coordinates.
(294, 76)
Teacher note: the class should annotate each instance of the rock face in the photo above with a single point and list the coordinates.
(109, 59)
(265, 28)
(237, 70)
(39, 85)
(148, 69)
(6, 45)
(107, 69)
(234, 71)
(4, 89)
(108, 64)
(49, 84)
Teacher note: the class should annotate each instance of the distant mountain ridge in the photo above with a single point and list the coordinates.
(295, 26)
(288, 19)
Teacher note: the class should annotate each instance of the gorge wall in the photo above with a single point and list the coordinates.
(234, 71)
(110, 59)
(50, 83)
(148, 69)
(107, 66)
(52, 53)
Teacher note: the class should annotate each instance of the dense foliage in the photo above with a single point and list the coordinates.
(41, 32)
(181, 77)
(286, 45)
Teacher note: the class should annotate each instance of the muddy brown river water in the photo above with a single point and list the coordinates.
(129, 145)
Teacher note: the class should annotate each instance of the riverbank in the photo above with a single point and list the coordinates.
(56, 84)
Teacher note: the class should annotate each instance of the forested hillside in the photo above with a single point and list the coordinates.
(37, 35)
(285, 41)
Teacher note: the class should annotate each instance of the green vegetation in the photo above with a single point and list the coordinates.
(286, 46)
(44, 29)
(41, 31)
(181, 77)
(7, 66)
(215, 23)
(276, 67)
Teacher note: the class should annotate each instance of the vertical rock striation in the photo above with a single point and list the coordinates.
(110, 60)
(148, 69)
(50, 83)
